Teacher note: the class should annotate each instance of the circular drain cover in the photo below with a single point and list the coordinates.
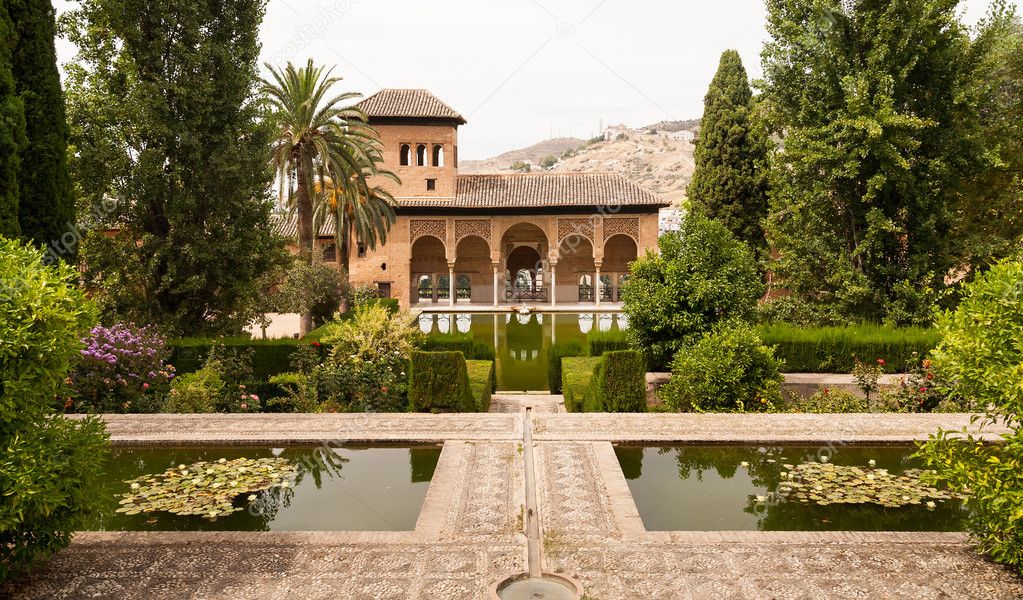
(537, 589)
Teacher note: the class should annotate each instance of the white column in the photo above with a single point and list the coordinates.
(451, 284)
(597, 285)
(496, 296)
(554, 283)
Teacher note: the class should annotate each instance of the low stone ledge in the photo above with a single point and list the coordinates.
(723, 428)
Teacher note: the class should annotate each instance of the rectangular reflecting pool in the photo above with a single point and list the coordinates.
(742, 488)
(522, 341)
(332, 489)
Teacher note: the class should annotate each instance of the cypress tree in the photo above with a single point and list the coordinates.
(46, 208)
(12, 130)
(730, 182)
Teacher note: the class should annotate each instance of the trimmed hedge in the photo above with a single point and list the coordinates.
(576, 372)
(270, 357)
(602, 342)
(557, 352)
(618, 383)
(483, 381)
(470, 347)
(835, 349)
(439, 382)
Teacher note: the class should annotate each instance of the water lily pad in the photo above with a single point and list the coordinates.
(205, 488)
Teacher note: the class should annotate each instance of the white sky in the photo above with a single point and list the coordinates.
(522, 71)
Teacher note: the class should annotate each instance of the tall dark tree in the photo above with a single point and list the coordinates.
(12, 130)
(165, 121)
(875, 104)
(730, 182)
(46, 207)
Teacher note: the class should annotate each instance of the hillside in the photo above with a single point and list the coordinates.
(658, 157)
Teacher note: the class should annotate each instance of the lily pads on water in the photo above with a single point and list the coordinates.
(825, 483)
(206, 489)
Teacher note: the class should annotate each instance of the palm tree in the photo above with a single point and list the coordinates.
(319, 138)
(360, 215)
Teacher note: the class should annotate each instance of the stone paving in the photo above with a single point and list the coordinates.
(469, 532)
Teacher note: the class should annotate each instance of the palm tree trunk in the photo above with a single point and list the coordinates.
(305, 235)
(344, 258)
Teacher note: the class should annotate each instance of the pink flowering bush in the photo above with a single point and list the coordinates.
(121, 369)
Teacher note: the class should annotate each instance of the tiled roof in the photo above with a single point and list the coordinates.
(408, 104)
(286, 226)
(540, 190)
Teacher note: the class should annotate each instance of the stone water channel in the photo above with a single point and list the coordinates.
(472, 530)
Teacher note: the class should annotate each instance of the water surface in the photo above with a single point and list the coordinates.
(340, 489)
(706, 488)
(522, 341)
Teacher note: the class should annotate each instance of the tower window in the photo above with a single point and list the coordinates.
(438, 155)
(406, 155)
(421, 155)
(330, 253)
(361, 250)
(431, 184)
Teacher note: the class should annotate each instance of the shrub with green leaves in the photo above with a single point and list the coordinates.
(729, 369)
(701, 276)
(576, 372)
(483, 381)
(601, 342)
(836, 349)
(49, 465)
(466, 343)
(555, 354)
(439, 382)
(981, 354)
(198, 392)
(618, 383)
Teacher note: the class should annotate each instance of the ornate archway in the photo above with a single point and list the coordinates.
(429, 270)
(473, 270)
(619, 252)
(524, 251)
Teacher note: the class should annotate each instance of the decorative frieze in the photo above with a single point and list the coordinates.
(477, 227)
(567, 227)
(621, 225)
(420, 227)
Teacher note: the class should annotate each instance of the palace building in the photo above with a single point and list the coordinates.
(540, 239)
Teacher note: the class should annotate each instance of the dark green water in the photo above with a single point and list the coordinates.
(340, 489)
(522, 341)
(705, 488)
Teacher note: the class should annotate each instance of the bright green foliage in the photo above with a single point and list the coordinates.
(12, 130)
(618, 383)
(701, 276)
(557, 352)
(576, 373)
(730, 181)
(48, 464)
(46, 207)
(875, 104)
(198, 392)
(439, 382)
(729, 369)
(982, 354)
(482, 381)
(162, 111)
(600, 342)
(373, 334)
(835, 349)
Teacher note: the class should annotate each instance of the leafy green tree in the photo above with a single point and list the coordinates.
(12, 130)
(321, 142)
(548, 162)
(46, 207)
(730, 181)
(165, 121)
(875, 105)
(701, 276)
(49, 465)
(982, 356)
(988, 214)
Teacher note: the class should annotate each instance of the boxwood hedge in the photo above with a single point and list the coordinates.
(618, 383)
(835, 349)
(439, 382)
